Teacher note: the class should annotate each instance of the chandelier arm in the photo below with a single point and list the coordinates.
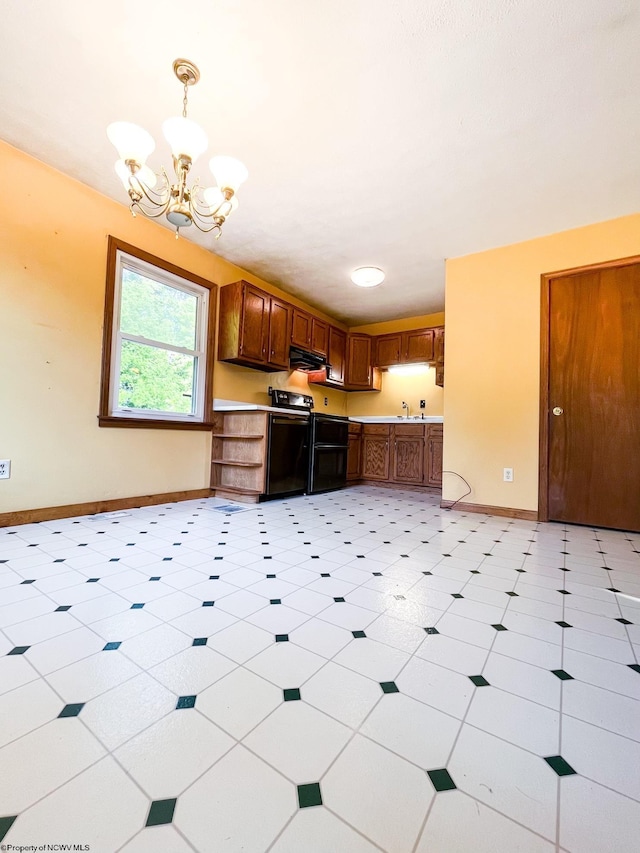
(152, 196)
(201, 223)
(150, 213)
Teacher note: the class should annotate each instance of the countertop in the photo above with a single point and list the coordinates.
(396, 419)
(236, 406)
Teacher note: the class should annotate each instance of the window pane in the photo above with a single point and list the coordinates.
(155, 379)
(157, 311)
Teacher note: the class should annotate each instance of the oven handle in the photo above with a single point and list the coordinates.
(330, 446)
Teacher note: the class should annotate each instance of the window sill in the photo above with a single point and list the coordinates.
(149, 423)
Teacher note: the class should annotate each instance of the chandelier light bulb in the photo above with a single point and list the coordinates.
(228, 172)
(131, 141)
(367, 276)
(185, 137)
(144, 174)
(214, 198)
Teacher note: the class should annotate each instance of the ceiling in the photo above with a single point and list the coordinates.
(395, 133)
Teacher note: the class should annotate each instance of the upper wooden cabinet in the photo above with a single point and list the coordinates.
(301, 329)
(308, 332)
(255, 327)
(334, 374)
(438, 352)
(411, 347)
(361, 374)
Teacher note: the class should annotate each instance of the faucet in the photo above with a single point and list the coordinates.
(405, 406)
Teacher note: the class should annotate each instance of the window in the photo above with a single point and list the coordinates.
(158, 343)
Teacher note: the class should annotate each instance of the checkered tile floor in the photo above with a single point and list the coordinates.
(341, 673)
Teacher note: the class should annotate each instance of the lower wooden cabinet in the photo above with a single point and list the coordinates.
(407, 454)
(375, 451)
(434, 455)
(404, 453)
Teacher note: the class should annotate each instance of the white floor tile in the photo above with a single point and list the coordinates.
(27, 708)
(367, 784)
(436, 686)
(459, 824)
(322, 638)
(239, 701)
(453, 654)
(285, 664)
(342, 694)
(506, 778)
(372, 659)
(593, 818)
(213, 816)
(192, 670)
(610, 711)
(315, 830)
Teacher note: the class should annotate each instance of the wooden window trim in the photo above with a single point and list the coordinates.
(105, 418)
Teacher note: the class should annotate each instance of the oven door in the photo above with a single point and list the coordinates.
(328, 430)
(328, 469)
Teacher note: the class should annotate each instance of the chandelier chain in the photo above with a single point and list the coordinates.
(185, 80)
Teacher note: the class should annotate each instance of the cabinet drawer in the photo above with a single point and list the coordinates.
(409, 429)
(376, 429)
(355, 428)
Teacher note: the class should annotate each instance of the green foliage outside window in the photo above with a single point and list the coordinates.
(152, 377)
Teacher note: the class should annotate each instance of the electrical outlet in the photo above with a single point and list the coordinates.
(423, 404)
(508, 475)
(5, 469)
(326, 401)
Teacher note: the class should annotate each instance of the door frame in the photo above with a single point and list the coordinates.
(545, 345)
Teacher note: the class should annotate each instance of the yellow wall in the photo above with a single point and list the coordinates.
(492, 354)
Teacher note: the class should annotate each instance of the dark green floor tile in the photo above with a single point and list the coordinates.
(325, 575)
(564, 592)
(137, 606)
(563, 624)
(208, 603)
(456, 595)
(339, 600)
(389, 687)
(432, 630)
(427, 573)
(291, 694)
(71, 710)
(5, 825)
(359, 635)
(64, 607)
(199, 641)
(634, 666)
(282, 638)
(441, 780)
(475, 571)
(561, 767)
(562, 675)
(479, 681)
(18, 650)
(185, 702)
(110, 647)
(161, 812)
(155, 578)
(309, 795)
(275, 601)
(624, 621)
(499, 627)
(377, 574)
(93, 580)
(513, 594)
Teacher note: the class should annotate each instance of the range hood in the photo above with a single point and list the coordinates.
(300, 359)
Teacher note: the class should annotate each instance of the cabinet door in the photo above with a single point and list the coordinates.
(434, 456)
(319, 332)
(301, 329)
(359, 361)
(417, 346)
(354, 457)
(375, 457)
(337, 355)
(388, 350)
(438, 345)
(407, 454)
(440, 375)
(254, 325)
(279, 333)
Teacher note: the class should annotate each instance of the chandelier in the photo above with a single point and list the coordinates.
(157, 195)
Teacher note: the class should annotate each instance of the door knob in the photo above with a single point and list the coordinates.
(557, 410)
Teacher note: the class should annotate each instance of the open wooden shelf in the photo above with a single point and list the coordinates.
(237, 435)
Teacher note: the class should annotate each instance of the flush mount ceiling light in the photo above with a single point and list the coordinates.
(367, 276)
(154, 195)
(409, 369)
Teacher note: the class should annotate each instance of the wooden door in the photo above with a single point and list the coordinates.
(438, 345)
(279, 333)
(337, 355)
(408, 454)
(319, 330)
(254, 326)
(388, 350)
(301, 329)
(417, 346)
(594, 390)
